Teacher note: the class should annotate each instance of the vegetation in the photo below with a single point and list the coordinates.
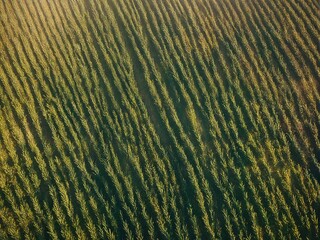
(171, 119)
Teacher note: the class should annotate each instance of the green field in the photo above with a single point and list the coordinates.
(159, 119)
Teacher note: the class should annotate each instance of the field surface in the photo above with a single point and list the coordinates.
(159, 119)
